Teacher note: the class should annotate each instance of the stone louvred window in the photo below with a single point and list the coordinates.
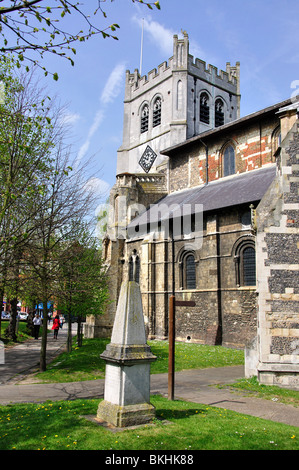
(144, 119)
(157, 112)
(219, 113)
(204, 110)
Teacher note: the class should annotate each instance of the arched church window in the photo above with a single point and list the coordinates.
(245, 263)
(144, 118)
(204, 109)
(157, 112)
(188, 271)
(134, 268)
(249, 278)
(219, 112)
(229, 161)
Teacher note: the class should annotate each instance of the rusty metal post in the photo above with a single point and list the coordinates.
(171, 337)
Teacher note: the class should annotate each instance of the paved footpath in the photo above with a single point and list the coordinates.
(198, 386)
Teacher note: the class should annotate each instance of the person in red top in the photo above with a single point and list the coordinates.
(55, 327)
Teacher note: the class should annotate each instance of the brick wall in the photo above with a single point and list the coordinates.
(254, 148)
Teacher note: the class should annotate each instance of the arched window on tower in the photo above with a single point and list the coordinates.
(157, 112)
(144, 118)
(229, 161)
(204, 109)
(219, 113)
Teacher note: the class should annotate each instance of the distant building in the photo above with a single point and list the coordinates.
(213, 198)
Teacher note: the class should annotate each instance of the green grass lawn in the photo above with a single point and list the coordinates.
(21, 334)
(190, 426)
(179, 425)
(84, 363)
(269, 392)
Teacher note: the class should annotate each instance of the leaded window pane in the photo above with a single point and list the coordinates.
(229, 161)
(249, 266)
(190, 272)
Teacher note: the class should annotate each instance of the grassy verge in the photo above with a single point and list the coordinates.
(62, 426)
(269, 392)
(85, 363)
(21, 335)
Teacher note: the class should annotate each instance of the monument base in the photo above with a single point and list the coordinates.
(124, 416)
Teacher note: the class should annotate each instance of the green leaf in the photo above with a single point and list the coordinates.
(55, 76)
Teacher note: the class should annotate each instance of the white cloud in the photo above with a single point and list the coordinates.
(70, 118)
(110, 91)
(98, 186)
(163, 38)
(83, 150)
(159, 34)
(113, 84)
(96, 123)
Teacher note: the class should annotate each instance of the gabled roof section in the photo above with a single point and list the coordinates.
(226, 127)
(231, 191)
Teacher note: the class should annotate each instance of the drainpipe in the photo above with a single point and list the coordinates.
(260, 129)
(218, 339)
(207, 161)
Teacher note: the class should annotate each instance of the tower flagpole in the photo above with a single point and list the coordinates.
(141, 52)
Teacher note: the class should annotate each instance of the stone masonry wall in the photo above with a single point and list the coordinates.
(224, 312)
(277, 359)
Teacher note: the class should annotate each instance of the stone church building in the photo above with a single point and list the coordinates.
(205, 208)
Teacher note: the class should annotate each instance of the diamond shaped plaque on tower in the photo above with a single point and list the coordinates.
(147, 159)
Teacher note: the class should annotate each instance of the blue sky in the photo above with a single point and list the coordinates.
(262, 35)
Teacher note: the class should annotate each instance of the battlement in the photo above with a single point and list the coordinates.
(134, 81)
(183, 61)
(199, 67)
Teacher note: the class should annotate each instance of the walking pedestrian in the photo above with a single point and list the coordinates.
(56, 325)
(37, 321)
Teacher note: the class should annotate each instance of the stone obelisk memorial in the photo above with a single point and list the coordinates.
(128, 357)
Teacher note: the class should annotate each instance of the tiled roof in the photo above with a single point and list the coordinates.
(234, 190)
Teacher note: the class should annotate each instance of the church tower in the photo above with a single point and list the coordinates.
(180, 99)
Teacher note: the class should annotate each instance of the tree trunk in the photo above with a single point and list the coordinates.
(43, 351)
(11, 329)
(69, 332)
(1, 297)
(79, 333)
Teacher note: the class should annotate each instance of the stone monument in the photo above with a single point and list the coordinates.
(128, 357)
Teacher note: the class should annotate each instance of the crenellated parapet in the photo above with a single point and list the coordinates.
(179, 62)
